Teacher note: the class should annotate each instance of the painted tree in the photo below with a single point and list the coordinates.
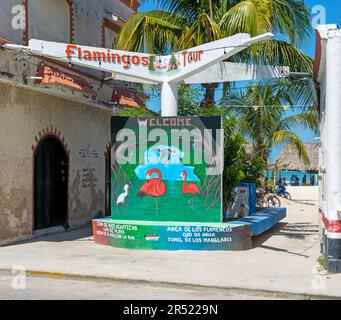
(152, 61)
(173, 63)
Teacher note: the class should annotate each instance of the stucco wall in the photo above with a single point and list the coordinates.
(11, 23)
(89, 16)
(24, 113)
(49, 20)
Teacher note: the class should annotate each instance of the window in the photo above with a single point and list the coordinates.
(111, 32)
(49, 20)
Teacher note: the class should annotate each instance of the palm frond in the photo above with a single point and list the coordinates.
(246, 17)
(288, 137)
(276, 53)
(292, 18)
(308, 120)
(150, 31)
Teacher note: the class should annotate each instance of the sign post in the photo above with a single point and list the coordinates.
(166, 172)
(196, 65)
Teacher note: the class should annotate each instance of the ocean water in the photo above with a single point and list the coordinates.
(288, 174)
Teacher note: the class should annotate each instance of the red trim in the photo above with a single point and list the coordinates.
(127, 98)
(133, 4)
(110, 25)
(4, 41)
(333, 226)
(72, 21)
(25, 33)
(318, 54)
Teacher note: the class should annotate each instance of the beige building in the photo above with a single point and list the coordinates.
(55, 117)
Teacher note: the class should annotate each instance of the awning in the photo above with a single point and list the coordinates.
(54, 76)
(128, 98)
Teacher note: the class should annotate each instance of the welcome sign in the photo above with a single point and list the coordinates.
(167, 169)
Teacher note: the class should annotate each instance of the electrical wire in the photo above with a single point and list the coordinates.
(151, 93)
(150, 54)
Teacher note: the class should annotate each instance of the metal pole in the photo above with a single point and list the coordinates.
(333, 156)
(169, 99)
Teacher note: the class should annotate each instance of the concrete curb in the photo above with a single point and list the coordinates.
(285, 295)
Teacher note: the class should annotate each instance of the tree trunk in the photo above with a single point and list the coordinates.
(209, 98)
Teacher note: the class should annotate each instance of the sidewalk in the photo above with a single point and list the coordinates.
(282, 260)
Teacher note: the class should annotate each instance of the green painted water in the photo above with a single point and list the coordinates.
(174, 206)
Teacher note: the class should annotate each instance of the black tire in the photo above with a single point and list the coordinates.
(287, 195)
(274, 201)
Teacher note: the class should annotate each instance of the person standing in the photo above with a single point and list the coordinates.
(312, 180)
(304, 180)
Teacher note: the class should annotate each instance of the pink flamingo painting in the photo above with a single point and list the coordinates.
(153, 187)
(190, 187)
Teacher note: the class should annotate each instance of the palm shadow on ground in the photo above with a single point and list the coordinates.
(297, 231)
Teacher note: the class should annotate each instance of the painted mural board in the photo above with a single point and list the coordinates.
(167, 169)
(150, 235)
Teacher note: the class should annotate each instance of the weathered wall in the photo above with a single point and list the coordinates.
(89, 16)
(23, 114)
(49, 20)
(12, 24)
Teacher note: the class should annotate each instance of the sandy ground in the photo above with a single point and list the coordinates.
(304, 193)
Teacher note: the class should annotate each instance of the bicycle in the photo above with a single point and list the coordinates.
(264, 198)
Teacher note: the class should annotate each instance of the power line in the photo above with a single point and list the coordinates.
(150, 54)
(151, 95)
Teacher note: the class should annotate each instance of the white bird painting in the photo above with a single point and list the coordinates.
(166, 155)
(122, 197)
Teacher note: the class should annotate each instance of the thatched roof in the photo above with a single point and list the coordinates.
(289, 159)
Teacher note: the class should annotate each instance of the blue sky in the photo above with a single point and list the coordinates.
(333, 15)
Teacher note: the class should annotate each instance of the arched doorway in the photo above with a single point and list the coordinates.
(50, 184)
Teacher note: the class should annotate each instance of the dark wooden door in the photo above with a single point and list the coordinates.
(50, 185)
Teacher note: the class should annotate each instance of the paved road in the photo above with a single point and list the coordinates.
(283, 259)
(55, 289)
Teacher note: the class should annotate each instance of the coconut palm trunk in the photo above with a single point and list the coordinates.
(210, 91)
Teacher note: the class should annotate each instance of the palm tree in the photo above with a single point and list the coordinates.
(138, 112)
(181, 24)
(262, 116)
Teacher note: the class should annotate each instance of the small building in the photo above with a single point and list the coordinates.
(327, 72)
(55, 117)
(289, 158)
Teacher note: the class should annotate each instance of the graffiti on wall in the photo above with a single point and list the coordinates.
(88, 152)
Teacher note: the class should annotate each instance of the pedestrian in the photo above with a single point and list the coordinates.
(312, 180)
(297, 181)
(304, 180)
